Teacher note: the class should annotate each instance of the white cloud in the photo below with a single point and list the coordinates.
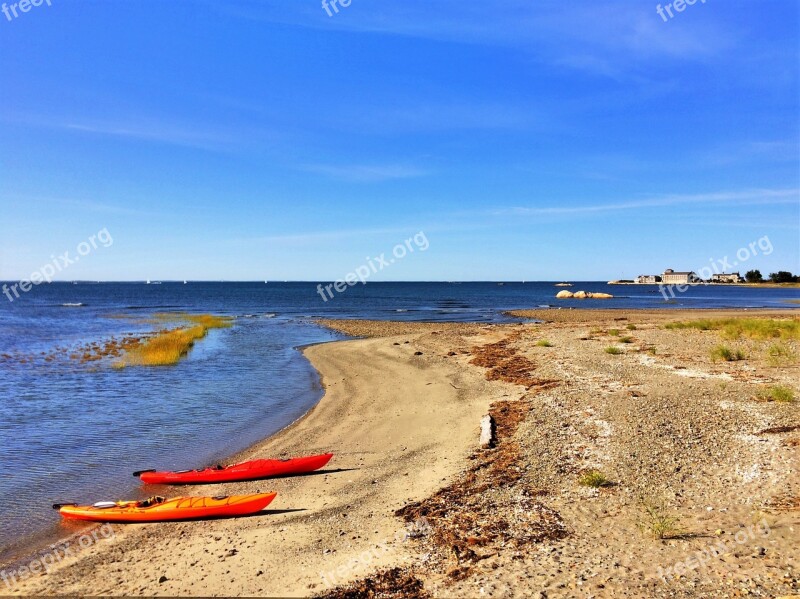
(746, 197)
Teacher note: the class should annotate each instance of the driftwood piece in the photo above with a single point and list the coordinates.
(488, 432)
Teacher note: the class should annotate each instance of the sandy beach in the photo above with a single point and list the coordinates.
(412, 506)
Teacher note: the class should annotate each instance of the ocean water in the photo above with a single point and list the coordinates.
(75, 432)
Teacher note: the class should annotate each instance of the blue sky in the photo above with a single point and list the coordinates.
(249, 140)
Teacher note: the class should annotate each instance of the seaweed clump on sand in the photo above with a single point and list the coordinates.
(504, 363)
(393, 583)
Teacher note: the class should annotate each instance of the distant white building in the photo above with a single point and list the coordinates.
(671, 277)
(648, 279)
(723, 277)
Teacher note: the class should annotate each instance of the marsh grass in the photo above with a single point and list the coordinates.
(543, 343)
(753, 328)
(167, 347)
(209, 321)
(613, 350)
(780, 354)
(778, 393)
(723, 353)
(655, 521)
(594, 479)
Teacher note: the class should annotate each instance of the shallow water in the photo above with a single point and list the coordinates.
(75, 432)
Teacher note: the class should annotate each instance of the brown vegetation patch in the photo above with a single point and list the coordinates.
(776, 430)
(395, 582)
(785, 503)
(505, 364)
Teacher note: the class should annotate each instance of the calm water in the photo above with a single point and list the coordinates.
(76, 432)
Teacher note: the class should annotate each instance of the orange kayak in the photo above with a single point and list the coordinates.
(252, 470)
(160, 509)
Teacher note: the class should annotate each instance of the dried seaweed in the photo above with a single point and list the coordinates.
(776, 430)
(488, 508)
(389, 584)
(505, 364)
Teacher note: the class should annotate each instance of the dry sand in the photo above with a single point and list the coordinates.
(668, 427)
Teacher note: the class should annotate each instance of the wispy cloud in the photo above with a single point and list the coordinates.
(82, 205)
(159, 132)
(364, 173)
(162, 129)
(747, 197)
(600, 38)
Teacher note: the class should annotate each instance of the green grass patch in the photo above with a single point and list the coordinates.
(656, 522)
(779, 393)
(594, 479)
(753, 328)
(543, 343)
(723, 353)
(780, 354)
(613, 350)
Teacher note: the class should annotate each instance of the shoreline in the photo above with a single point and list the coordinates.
(38, 543)
(356, 464)
(389, 452)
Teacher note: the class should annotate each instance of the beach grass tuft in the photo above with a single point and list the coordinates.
(543, 343)
(723, 353)
(613, 350)
(209, 321)
(780, 354)
(656, 522)
(613, 332)
(631, 327)
(594, 479)
(753, 328)
(778, 393)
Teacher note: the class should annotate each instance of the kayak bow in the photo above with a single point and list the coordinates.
(251, 470)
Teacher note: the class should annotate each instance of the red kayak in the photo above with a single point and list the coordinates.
(252, 470)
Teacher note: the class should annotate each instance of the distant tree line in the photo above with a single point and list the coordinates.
(782, 276)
